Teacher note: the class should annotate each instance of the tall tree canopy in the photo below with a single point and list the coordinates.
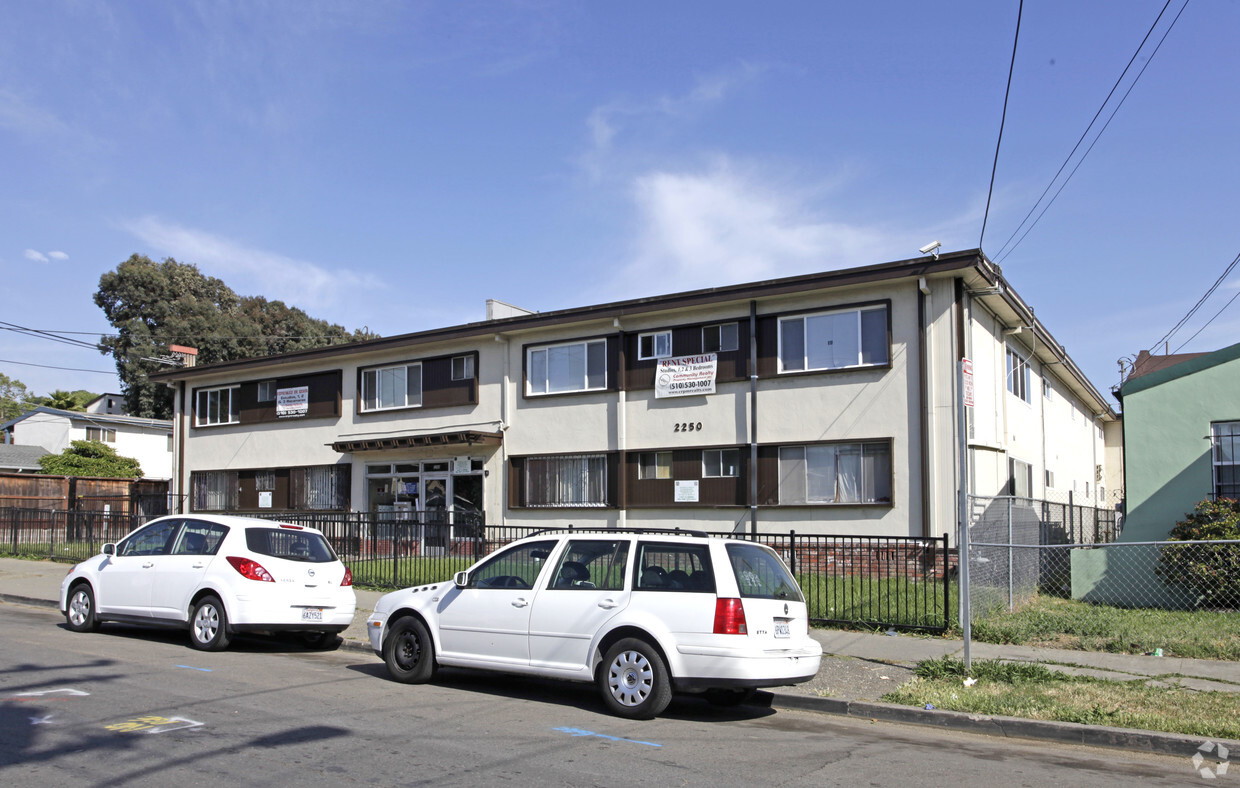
(14, 398)
(153, 305)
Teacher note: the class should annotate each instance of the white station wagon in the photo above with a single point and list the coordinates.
(216, 576)
(639, 613)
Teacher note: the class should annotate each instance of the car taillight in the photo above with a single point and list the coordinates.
(348, 577)
(730, 617)
(250, 569)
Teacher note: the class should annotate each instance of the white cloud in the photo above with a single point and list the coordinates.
(722, 226)
(36, 256)
(259, 272)
(58, 255)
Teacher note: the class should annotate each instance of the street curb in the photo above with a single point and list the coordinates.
(1130, 739)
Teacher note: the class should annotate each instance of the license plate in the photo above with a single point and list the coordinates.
(316, 614)
(783, 629)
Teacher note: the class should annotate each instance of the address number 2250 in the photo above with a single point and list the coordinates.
(688, 426)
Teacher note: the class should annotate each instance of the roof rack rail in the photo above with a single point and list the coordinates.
(625, 530)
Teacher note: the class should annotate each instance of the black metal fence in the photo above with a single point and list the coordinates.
(873, 581)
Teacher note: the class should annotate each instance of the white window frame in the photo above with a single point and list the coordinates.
(720, 464)
(538, 359)
(813, 354)
(202, 409)
(1026, 471)
(266, 391)
(1018, 375)
(660, 345)
(575, 481)
(372, 387)
(463, 367)
(1225, 458)
(722, 346)
(662, 465)
(804, 480)
(105, 434)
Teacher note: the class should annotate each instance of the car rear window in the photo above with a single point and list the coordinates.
(760, 574)
(665, 566)
(309, 546)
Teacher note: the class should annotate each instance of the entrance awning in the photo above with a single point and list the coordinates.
(449, 438)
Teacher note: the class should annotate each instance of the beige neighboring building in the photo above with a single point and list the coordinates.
(825, 403)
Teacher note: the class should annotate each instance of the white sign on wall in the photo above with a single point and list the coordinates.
(462, 465)
(292, 403)
(687, 491)
(264, 499)
(686, 376)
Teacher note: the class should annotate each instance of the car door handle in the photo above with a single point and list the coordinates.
(607, 604)
(519, 602)
(198, 565)
(148, 565)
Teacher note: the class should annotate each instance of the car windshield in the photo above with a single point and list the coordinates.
(294, 545)
(760, 574)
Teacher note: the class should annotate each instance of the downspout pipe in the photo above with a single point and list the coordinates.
(923, 384)
(753, 418)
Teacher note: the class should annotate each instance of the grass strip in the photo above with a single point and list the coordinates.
(1034, 691)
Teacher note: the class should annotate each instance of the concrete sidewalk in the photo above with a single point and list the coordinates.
(857, 669)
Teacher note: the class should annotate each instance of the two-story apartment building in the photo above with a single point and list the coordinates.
(827, 403)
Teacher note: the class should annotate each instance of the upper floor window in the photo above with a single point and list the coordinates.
(1226, 438)
(720, 463)
(266, 391)
(574, 366)
(835, 473)
(833, 340)
(655, 345)
(720, 338)
(654, 465)
(1018, 376)
(101, 434)
(392, 387)
(462, 367)
(1046, 387)
(217, 406)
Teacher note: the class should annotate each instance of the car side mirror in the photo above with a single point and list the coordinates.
(109, 549)
(461, 579)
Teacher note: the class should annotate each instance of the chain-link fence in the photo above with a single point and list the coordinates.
(1018, 549)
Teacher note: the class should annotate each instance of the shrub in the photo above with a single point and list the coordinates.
(1212, 571)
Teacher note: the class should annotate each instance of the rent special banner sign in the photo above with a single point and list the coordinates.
(684, 376)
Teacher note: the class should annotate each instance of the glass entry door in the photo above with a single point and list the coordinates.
(435, 513)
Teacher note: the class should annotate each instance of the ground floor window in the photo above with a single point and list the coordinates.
(1226, 438)
(567, 480)
(323, 488)
(215, 491)
(835, 473)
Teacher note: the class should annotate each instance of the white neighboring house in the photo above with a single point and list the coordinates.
(110, 404)
(149, 441)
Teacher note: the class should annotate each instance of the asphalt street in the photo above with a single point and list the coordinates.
(138, 706)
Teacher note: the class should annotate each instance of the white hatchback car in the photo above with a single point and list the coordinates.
(215, 576)
(639, 613)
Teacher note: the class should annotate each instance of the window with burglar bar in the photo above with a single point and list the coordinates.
(1226, 438)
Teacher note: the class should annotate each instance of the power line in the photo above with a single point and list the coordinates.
(1002, 120)
(1208, 322)
(1001, 256)
(66, 369)
(1198, 305)
(31, 332)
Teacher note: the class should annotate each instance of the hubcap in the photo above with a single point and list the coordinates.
(630, 678)
(79, 608)
(408, 652)
(206, 623)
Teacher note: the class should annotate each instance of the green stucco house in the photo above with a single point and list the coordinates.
(1181, 445)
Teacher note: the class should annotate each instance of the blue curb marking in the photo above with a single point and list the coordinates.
(191, 667)
(580, 732)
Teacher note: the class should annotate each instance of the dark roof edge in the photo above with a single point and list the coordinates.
(1183, 369)
(919, 266)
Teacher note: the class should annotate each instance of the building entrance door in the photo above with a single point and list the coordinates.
(435, 503)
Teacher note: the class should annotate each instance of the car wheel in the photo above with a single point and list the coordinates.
(634, 681)
(320, 641)
(409, 652)
(208, 625)
(727, 697)
(80, 615)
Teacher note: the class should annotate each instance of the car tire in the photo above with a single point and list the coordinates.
(80, 611)
(320, 641)
(409, 652)
(634, 680)
(727, 697)
(208, 625)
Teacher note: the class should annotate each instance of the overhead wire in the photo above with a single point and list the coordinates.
(1085, 133)
(1002, 121)
(1001, 256)
(1201, 301)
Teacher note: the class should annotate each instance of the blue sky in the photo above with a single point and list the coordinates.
(395, 164)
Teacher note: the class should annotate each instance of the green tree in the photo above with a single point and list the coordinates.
(153, 305)
(1210, 570)
(67, 400)
(15, 398)
(90, 458)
